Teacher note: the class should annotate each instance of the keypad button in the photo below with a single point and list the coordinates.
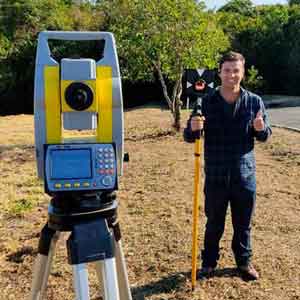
(107, 181)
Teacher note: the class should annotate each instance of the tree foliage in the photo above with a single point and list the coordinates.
(21, 22)
(291, 52)
(240, 7)
(269, 40)
(253, 81)
(162, 38)
(294, 2)
(156, 40)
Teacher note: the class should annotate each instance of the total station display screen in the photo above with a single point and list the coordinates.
(71, 164)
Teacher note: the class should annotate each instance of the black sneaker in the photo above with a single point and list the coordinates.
(248, 272)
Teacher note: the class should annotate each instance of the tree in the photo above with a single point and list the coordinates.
(163, 38)
(241, 7)
(23, 20)
(253, 81)
(263, 40)
(293, 2)
(291, 52)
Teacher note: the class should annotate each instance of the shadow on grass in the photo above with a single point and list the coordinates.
(19, 255)
(166, 285)
(226, 272)
(176, 282)
(18, 153)
(15, 146)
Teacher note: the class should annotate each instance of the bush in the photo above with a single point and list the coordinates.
(253, 81)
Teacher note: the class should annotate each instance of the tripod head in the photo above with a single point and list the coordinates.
(66, 210)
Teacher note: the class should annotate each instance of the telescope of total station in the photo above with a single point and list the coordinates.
(80, 173)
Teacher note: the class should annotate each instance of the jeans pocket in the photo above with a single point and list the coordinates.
(247, 175)
(247, 169)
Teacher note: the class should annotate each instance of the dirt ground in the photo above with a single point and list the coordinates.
(155, 213)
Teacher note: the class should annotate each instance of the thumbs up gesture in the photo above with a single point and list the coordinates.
(258, 122)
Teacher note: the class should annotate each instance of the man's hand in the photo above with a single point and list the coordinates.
(197, 123)
(258, 122)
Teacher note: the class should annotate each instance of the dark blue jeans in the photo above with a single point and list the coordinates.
(241, 196)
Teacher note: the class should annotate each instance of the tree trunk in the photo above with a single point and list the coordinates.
(157, 65)
(177, 115)
(174, 103)
(177, 102)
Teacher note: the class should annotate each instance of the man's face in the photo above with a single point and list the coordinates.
(232, 73)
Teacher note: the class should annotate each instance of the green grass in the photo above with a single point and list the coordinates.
(20, 188)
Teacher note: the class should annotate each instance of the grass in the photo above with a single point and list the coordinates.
(155, 213)
(21, 190)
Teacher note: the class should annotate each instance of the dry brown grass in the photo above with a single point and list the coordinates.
(155, 214)
(20, 188)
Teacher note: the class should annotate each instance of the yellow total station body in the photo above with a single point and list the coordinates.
(56, 104)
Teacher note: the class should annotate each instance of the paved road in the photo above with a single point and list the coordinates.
(287, 116)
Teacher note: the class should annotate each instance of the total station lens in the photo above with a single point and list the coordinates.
(79, 96)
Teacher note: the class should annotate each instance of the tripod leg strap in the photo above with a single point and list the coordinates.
(47, 235)
(117, 231)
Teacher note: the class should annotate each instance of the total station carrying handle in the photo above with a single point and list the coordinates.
(109, 52)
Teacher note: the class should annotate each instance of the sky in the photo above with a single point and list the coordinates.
(218, 3)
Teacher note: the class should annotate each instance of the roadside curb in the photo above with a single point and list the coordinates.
(286, 127)
(281, 102)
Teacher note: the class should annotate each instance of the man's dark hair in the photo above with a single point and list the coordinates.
(231, 56)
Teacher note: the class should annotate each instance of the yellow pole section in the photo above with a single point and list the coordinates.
(197, 192)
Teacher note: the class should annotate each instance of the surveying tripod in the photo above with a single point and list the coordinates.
(95, 237)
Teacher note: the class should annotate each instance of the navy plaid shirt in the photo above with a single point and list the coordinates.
(229, 136)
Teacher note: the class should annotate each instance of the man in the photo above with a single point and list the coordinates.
(232, 118)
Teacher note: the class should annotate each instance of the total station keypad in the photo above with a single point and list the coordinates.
(105, 160)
